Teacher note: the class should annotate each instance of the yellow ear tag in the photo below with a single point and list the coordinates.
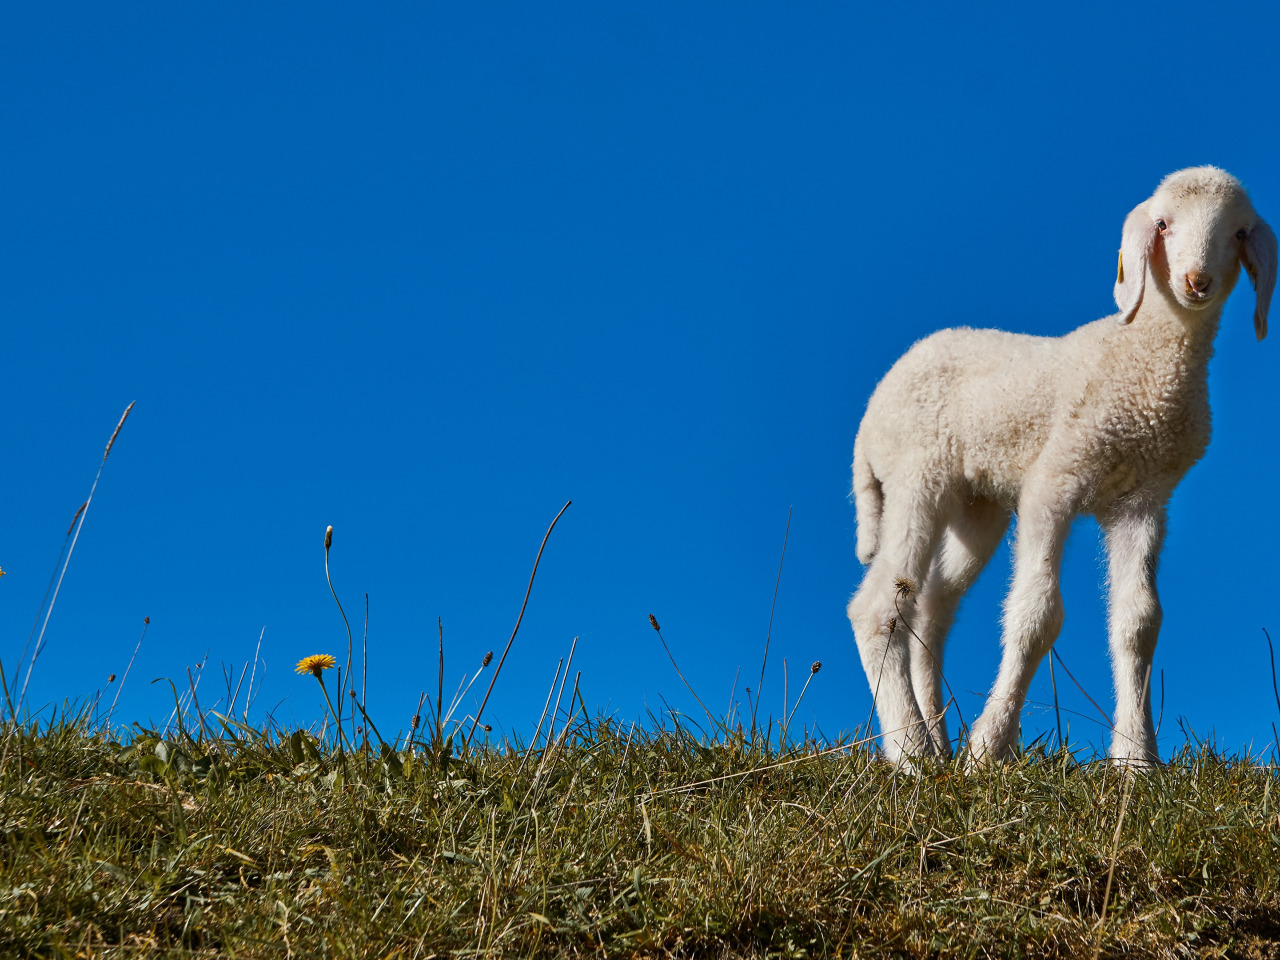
(1120, 267)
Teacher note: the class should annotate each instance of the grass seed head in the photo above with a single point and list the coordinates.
(653, 622)
(906, 587)
(111, 678)
(328, 537)
(817, 665)
(488, 659)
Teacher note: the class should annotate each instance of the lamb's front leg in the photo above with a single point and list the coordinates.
(1134, 533)
(1032, 619)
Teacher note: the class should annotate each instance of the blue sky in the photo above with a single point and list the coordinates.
(426, 272)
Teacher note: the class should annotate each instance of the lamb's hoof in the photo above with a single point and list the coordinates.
(911, 760)
(985, 752)
(909, 766)
(918, 762)
(1138, 764)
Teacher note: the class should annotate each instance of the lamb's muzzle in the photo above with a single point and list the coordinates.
(1198, 284)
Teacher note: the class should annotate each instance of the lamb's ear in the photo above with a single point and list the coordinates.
(1136, 241)
(1259, 258)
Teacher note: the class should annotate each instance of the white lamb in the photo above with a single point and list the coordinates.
(971, 426)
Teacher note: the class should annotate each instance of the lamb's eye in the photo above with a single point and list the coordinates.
(1242, 234)
(1162, 225)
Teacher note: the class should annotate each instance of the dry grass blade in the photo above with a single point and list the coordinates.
(1057, 712)
(551, 730)
(328, 542)
(905, 590)
(786, 535)
(79, 525)
(537, 731)
(813, 672)
(507, 649)
(248, 697)
(146, 622)
(364, 666)
(35, 623)
(440, 685)
(1105, 716)
(1274, 688)
(711, 718)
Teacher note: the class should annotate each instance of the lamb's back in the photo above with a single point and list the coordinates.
(966, 403)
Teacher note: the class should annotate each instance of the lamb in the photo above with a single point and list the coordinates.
(972, 426)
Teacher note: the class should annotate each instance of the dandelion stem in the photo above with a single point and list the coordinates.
(325, 690)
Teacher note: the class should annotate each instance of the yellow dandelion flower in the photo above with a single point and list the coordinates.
(316, 664)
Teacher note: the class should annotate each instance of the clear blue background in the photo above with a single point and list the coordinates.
(426, 271)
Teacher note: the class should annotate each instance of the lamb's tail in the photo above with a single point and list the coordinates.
(869, 501)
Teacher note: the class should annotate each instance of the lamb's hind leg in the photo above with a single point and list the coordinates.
(909, 534)
(970, 539)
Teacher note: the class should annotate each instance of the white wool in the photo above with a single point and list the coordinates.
(972, 426)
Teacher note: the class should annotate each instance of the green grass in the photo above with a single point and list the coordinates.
(603, 839)
(619, 842)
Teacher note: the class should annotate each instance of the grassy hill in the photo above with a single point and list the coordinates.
(614, 841)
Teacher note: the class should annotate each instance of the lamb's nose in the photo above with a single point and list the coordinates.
(1199, 281)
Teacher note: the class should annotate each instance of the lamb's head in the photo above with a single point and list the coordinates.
(1193, 234)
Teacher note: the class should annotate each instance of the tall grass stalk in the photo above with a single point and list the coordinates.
(248, 697)
(328, 542)
(507, 649)
(35, 623)
(537, 731)
(146, 622)
(364, 665)
(711, 718)
(84, 512)
(768, 636)
(551, 730)
(1062, 663)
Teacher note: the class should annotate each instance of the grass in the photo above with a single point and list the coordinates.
(618, 841)
(599, 839)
